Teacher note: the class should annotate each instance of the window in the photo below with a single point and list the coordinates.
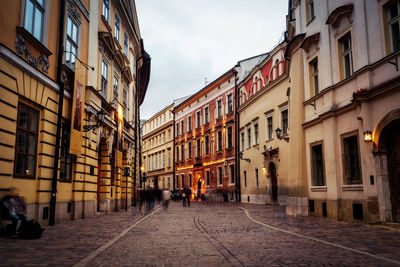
(248, 137)
(285, 122)
(190, 150)
(198, 148)
(189, 123)
(256, 176)
(169, 182)
(183, 181)
(177, 153)
(117, 27)
(255, 133)
(206, 115)
(65, 157)
(220, 175)
(176, 129)
(26, 142)
(208, 178)
(230, 137)
(182, 127)
(313, 71)
(190, 180)
(346, 58)
(71, 45)
(125, 102)
(318, 177)
(230, 103)
(310, 10)
(232, 171)
(104, 79)
(219, 108)
(169, 160)
(182, 152)
(351, 160)
(34, 17)
(270, 130)
(392, 26)
(219, 140)
(207, 145)
(242, 141)
(126, 45)
(106, 10)
(245, 178)
(115, 88)
(198, 119)
(177, 181)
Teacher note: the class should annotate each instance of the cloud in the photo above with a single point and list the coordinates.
(189, 40)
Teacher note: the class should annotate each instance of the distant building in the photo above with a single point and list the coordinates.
(158, 149)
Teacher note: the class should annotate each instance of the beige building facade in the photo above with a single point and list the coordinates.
(157, 150)
(263, 108)
(348, 53)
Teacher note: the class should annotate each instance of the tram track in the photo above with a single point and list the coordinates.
(226, 253)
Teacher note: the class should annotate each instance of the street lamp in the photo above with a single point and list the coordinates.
(278, 134)
(367, 136)
(100, 119)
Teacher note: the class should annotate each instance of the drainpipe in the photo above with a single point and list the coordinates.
(53, 199)
(237, 123)
(173, 151)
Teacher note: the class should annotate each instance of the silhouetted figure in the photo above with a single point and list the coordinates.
(13, 208)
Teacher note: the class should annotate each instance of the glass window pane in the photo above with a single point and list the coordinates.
(31, 166)
(395, 35)
(21, 142)
(33, 122)
(69, 27)
(73, 50)
(32, 145)
(68, 49)
(28, 16)
(37, 32)
(74, 35)
(23, 118)
(20, 164)
(41, 2)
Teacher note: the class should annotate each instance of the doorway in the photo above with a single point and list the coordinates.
(390, 139)
(274, 182)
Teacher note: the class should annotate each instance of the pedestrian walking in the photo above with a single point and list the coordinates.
(189, 194)
(184, 198)
(166, 196)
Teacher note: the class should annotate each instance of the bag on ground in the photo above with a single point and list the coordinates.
(30, 230)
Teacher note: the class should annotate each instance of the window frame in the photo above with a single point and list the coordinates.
(314, 178)
(230, 137)
(310, 11)
(342, 55)
(257, 182)
(285, 131)
(117, 27)
(219, 108)
(230, 102)
(349, 180)
(116, 88)
(256, 133)
(269, 132)
(220, 176)
(65, 156)
(388, 22)
(207, 144)
(106, 10)
(314, 76)
(219, 141)
(69, 54)
(41, 8)
(103, 79)
(232, 173)
(28, 133)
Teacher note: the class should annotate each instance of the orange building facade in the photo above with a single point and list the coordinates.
(205, 140)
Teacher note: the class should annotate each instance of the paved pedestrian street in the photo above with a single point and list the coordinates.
(206, 234)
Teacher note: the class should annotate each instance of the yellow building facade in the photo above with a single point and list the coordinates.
(158, 150)
(40, 46)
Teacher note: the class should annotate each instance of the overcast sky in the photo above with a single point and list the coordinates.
(189, 40)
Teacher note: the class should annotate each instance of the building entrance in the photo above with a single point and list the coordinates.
(274, 181)
(391, 139)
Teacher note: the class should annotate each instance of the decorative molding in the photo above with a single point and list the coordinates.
(310, 41)
(295, 4)
(338, 14)
(73, 11)
(22, 49)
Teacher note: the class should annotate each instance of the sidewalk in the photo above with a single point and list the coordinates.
(67, 242)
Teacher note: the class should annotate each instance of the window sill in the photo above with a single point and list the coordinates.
(268, 140)
(220, 151)
(353, 187)
(21, 176)
(33, 41)
(256, 145)
(229, 148)
(319, 189)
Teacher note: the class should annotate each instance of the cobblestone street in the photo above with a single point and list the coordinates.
(206, 235)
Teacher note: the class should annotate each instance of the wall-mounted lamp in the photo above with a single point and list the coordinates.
(367, 136)
(278, 134)
(100, 119)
